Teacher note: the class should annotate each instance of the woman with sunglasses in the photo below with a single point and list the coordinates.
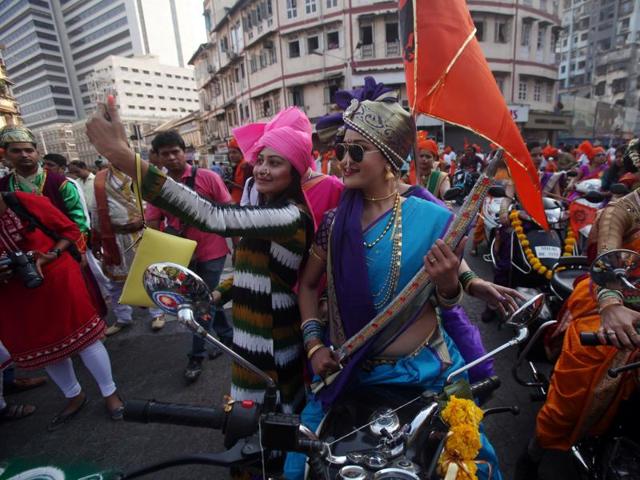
(370, 246)
(275, 240)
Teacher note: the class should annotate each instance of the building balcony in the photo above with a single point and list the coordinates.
(392, 49)
(367, 51)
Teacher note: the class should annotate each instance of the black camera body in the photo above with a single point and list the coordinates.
(24, 266)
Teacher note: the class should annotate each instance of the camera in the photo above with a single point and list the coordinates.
(24, 266)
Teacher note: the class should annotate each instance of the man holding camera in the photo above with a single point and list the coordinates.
(212, 250)
(30, 176)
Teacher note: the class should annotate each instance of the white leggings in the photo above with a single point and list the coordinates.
(96, 359)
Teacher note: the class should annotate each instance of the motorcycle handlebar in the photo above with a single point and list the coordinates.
(486, 386)
(146, 411)
(590, 339)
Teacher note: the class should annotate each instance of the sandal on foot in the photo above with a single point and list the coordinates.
(16, 411)
(117, 413)
(23, 384)
(63, 418)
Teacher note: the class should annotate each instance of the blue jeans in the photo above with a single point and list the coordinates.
(210, 272)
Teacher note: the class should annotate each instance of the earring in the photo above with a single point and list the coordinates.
(389, 175)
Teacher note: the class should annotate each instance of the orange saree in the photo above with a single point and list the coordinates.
(583, 400)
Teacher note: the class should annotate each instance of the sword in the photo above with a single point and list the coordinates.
(420, 285)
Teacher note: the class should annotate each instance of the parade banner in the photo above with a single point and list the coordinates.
(448, 78)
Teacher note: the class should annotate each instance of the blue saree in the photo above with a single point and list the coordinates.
(357, 272)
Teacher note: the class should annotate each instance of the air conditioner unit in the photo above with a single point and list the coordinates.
(268, 44)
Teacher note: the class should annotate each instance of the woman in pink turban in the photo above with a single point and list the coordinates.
(276, 236)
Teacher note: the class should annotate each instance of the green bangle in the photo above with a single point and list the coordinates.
(466, 278)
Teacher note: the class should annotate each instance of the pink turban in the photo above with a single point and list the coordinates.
(288, 133)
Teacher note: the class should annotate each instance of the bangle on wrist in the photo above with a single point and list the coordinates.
(466, 278)
(445, 302)
(314, 349)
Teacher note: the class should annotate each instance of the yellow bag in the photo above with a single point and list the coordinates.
(155, 246)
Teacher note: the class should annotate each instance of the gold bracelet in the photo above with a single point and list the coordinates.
(314, 349)
(450, 302)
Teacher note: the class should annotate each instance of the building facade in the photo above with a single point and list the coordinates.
(263, 55)
(598, 51)
(9, 109)
(52, 47)
(144, 87)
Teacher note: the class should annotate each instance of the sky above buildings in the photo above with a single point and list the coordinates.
(190, 23)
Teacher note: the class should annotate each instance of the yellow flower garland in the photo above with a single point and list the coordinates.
(536, 264)
(463, 442)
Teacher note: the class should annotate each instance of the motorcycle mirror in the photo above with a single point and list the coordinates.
(617, 270)
(452, 193)
(594, 196)
(619, 189)
(498, 191)
(572, 173)
(527, 312)
(170, 285)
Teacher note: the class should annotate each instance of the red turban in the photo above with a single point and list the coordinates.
(233, 143)
(429, 145)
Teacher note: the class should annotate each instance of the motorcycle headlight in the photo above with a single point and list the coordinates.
(553, 215)
(384, 418)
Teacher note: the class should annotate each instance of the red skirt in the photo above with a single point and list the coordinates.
(44, 325)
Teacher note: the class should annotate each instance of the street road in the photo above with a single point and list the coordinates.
(150, 365)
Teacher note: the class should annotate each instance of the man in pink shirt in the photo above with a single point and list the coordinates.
(211, 252)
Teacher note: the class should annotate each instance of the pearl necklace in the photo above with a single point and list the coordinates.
(392, 218)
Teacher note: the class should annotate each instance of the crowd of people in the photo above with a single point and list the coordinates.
(322, 243)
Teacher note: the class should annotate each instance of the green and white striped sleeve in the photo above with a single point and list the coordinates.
(223, 219)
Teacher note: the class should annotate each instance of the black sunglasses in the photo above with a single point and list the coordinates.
(356, 152)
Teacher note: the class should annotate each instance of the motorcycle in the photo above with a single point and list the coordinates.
(463, 182)
(616, 454)
(375, 433)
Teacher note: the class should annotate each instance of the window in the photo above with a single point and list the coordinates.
(537, 91)
(329, 93)
(294, 49)
(332, 3)
(132, 107)
(128, 94)
(292, 8)
(297, 96)
(500, 83)
(127, 81)
(313, 44)
(549, 95)
(135, 70)
(542, 33)
(157, 74)
(139, 95)
(333, 40)
(525, 39)
(522, 90)
(161, 97)
(145, 71)
(169, 75)
(310, 6)
(149, 96)
(619, 85)
(147, 84)
(124, 69)
(502, 31)
(366, 34)
(137, 83)
(479, 24)
(158, 85)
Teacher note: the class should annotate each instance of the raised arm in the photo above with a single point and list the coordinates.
(107, 134)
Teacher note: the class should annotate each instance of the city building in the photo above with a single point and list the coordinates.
(144, 87)
(264, 55)
(599, 66)
(188, 127)
(599, 50)
(52, 46)
(9, 110)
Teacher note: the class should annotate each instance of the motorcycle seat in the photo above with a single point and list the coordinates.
(562, 281)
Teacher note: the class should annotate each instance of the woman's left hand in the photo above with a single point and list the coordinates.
(496, 296)
(442, 264)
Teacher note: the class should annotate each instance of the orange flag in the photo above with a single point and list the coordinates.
(580, 216)
(448, 78)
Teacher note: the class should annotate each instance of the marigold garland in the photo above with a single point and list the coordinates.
(536, 264)
(463, 442)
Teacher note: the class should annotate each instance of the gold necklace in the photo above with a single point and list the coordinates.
(374, 199)
(390, 222)
(391, 283)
